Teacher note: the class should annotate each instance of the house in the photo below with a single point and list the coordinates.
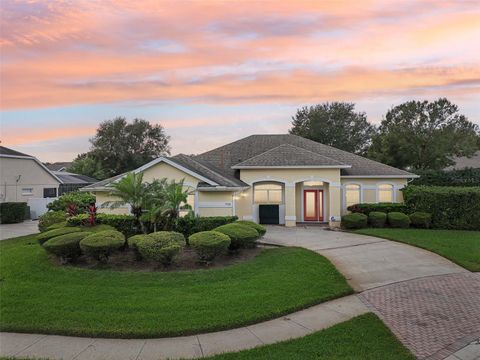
(58, 166)
(274, 179)
(23, 177)
(464, 162)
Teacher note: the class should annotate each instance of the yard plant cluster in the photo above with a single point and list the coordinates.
(100, 241)
(438, 207)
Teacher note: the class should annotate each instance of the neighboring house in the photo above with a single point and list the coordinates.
(71, 181)
(282, 179)
(58, 166)
(23, 177)
(464, 162)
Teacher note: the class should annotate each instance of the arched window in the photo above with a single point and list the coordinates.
(270, 193)
(385, 193)
(352, 194)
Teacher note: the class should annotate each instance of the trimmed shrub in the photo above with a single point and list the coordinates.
(451, 207)
(241, 236)
(209, 244)
(161, 246)
(12, 212)
(421, 219)
(189, 225)
(101, 245)
(66, 247)
(377, 219)
(47, 235)
(367, 208)
(97, 228)
(50, 218)
(57, 226)
(398, 220)
(132, 244)
(354, 221)
(126, 224)
(260, 228)
(80, 199)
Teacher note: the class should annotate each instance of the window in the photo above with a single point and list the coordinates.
(268, 194)
(385, 193)
(27, 191)
(312, 183)
(49, 192)
(352, 194)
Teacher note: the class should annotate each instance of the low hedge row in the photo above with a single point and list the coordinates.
(450, 207)
(241, 236)
(13, 212)
(380, 219)
(102, 244)
(66, 247)
(367, 208)
(161, 246)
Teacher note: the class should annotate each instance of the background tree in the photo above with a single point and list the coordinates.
(119, 147)
(335, 124)
(424, 135)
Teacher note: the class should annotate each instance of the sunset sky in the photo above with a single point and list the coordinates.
(214, 71)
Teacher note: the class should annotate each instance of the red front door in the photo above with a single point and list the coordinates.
(313, 205)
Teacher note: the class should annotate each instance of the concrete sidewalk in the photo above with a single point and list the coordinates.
(291, 326)
(27, 227)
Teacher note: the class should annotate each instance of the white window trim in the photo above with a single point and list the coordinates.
(344, 191)
(282, 186)
(394, 191)
(29, 193)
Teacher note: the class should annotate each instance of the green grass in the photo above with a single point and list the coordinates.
(364, 337)
(40, 297)
(461, 247)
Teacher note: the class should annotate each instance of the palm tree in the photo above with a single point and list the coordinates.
(130, 190)
(175, 199)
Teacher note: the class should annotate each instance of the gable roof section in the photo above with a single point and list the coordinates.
(226, 157)
(10, 153)
(289, 156)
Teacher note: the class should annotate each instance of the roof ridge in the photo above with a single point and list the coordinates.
(206, 167)
(288, 145)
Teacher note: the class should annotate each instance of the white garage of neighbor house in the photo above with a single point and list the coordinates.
(274, 179)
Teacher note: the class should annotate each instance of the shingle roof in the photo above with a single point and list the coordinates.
(103, 183)
(72, 178)
(224, 157)
(466, 162)
(58, 165)
(11, 152)
(287, 155)
(206, 170)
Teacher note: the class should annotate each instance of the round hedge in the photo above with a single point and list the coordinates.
(102, 244)
(67, 246)
(421, 219)
(377, 219)
(398, 220)
(47, 235)
(241, 236)
(97, 228)
(260, 228)
(209, 244)
(354, 221)
(132, 244)
(161, 246)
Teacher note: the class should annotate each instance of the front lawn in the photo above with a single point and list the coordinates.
(364, 337)
(461, 247)
(40, 297)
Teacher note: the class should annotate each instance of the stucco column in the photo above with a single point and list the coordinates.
(335, 205)
(290, 203)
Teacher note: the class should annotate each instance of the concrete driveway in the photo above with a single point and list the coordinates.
(366, 262)
(27, 227)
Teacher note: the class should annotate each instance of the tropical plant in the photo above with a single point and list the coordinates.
(130, 190)
(175, 199)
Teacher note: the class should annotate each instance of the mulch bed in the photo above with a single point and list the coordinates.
(187, 260)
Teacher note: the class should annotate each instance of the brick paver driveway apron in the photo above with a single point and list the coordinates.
(431, 304)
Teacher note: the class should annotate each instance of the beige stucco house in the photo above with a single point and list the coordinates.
(23, 177)
(282, 179)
